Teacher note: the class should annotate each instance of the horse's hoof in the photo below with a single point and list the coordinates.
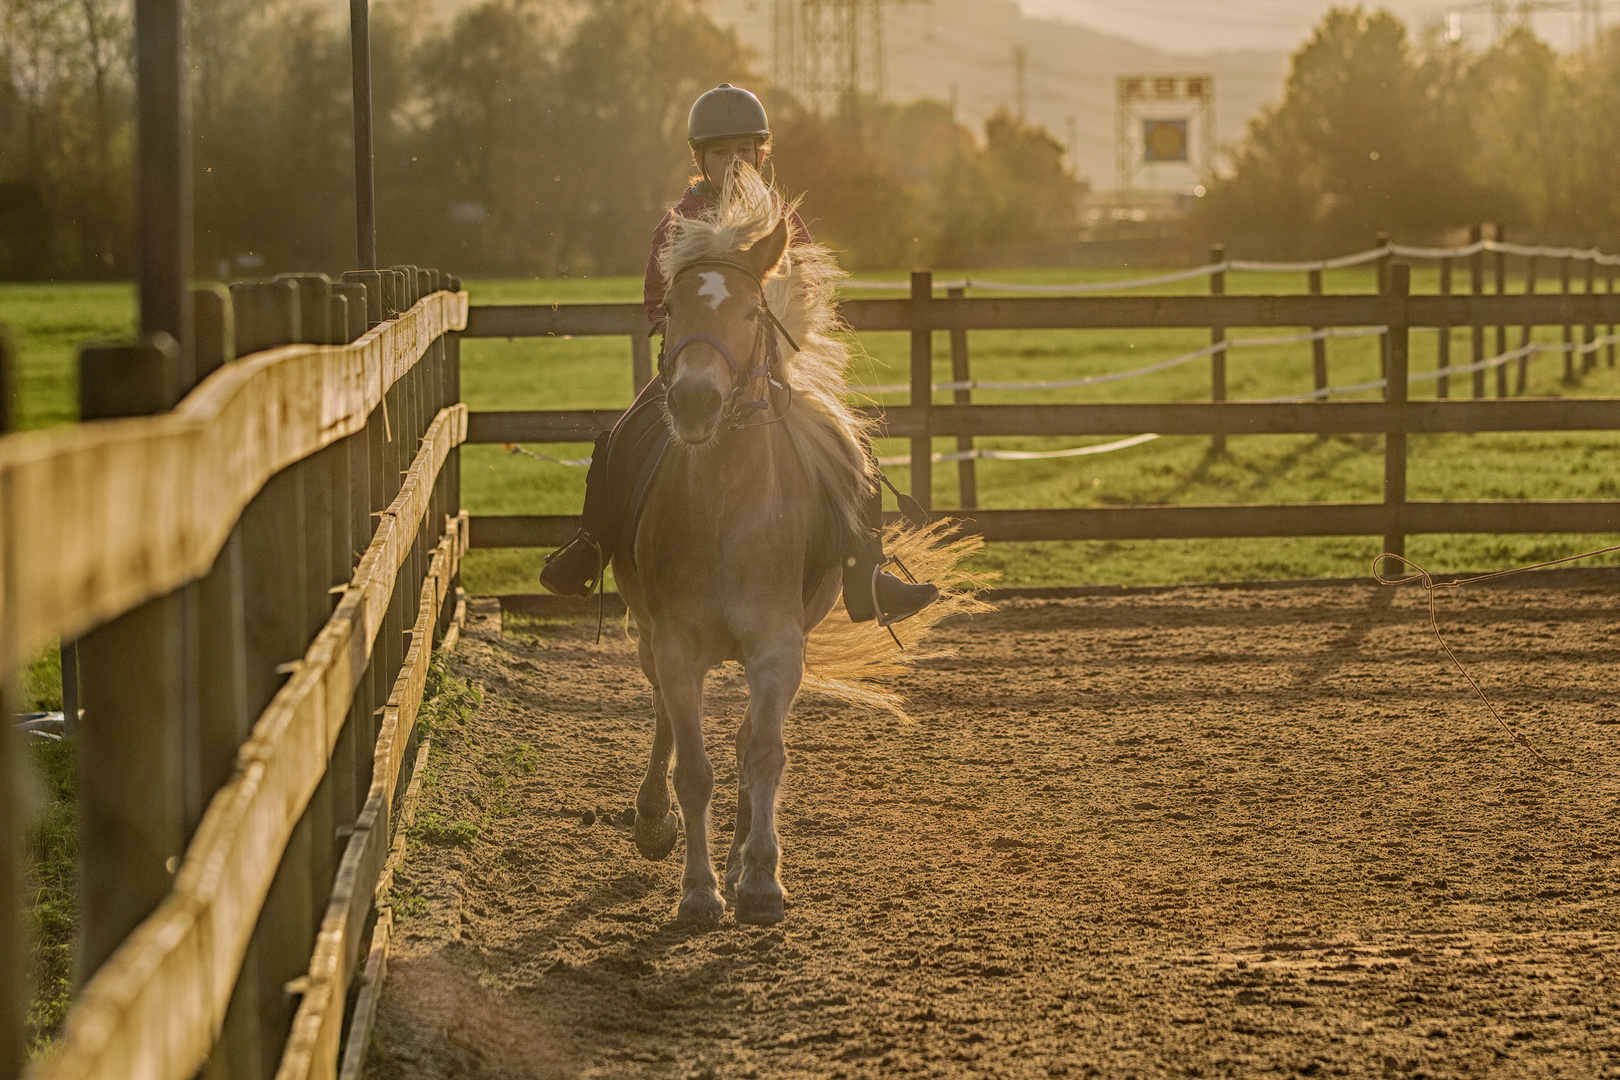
(702, 908)
(655, 840)
(760, 904)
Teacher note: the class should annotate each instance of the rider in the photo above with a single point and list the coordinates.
(726, 125)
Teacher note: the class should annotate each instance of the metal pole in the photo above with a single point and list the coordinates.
(163, 180)
(365, 184)
(11, 939)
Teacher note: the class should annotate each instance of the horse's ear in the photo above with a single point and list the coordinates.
(767, 251)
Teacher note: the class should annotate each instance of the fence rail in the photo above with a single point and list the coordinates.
(1392, 314)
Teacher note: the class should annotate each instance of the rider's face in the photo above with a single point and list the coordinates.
(718, 155)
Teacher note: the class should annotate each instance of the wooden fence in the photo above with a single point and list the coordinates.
(921, 420)
(256, 578)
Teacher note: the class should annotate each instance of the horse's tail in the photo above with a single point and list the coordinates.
(857, 662)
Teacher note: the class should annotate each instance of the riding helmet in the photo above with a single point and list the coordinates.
(726, 112)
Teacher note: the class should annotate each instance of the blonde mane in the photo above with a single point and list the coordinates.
(825, 432)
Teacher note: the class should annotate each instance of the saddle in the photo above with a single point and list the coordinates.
(635, 449)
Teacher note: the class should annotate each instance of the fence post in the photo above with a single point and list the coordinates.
(1319, 368)
(1442, 357)
(1609, 273)
(137, 783)
(1381, 282)
(1400, 286)
(1522, 383)
(213, 334)
(1499, 258)
(1476, 275)
(1589, 358)
(1217, 336)
(922, 387)
(11, 941)
(967, 481)
(1565, 267)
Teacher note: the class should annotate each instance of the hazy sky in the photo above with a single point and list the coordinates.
(1201, 26)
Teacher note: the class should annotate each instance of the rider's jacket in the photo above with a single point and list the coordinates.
(698, 198)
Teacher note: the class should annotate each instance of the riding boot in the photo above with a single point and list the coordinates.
(576, 568)
(870, 592)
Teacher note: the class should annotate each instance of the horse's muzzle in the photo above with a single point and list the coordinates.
(694, 405)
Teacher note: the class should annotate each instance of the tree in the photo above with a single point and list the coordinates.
(1359, 142)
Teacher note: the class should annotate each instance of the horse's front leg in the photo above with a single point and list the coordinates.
(680, 683)
(774, 674)
(745, 811)
(655, 822)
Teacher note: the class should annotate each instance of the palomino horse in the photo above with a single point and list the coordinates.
(735, 556)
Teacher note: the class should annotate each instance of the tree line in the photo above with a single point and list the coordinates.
(1377, 130)
(520, 137)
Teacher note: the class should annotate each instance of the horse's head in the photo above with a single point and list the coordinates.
(715, 335)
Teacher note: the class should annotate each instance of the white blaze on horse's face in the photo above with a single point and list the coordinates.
(701, 380)
(714, 287)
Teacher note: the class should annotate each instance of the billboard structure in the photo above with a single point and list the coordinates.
(1164, 133)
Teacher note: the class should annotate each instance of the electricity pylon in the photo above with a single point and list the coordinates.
(830, 52)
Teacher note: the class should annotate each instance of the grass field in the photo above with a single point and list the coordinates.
(49, 320)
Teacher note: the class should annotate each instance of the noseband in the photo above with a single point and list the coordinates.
(765, 350)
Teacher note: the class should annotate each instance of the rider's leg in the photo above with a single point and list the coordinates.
(869, 590)
(574, 568)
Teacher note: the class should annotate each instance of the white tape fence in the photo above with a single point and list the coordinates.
(1342, 262)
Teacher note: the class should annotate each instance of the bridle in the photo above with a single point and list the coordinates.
(767, 326)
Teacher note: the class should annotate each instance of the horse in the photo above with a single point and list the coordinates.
(735, 553)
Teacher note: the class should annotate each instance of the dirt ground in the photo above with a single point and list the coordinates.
(1195, 832)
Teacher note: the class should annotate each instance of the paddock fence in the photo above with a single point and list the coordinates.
(253, 576)
(1390, 314)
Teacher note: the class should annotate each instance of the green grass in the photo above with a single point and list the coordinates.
(48, 321)
(51, 847)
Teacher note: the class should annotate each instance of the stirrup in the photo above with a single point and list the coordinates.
(596, 546)
(599, 583)
(884, 620)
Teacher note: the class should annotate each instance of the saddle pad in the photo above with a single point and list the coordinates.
(635, 450)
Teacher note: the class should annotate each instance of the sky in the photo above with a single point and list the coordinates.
(1193, 27)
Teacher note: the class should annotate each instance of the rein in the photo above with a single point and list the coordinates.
(765, 344)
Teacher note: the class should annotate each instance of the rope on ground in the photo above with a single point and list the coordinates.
(1432, 587)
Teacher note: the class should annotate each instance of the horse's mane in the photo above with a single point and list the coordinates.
(824, 431)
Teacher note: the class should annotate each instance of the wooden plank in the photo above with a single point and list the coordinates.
(1217, 335)
(154, 1008)
(1239, 418)
(922, 387)
(107, 515)
(1397, 342)
(1315, 519)
(365, 1007)
(522, 530)
(1092, 312)
(554, 320)
(967, 481)
(580, 425)
(368, 862)
(1189, 522)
